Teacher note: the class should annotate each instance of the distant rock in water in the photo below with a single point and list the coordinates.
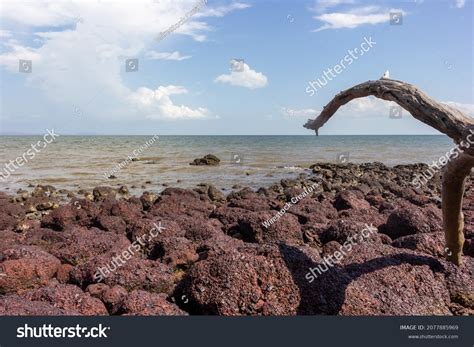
(209, 159)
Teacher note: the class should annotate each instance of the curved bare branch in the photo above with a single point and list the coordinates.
(443, 118)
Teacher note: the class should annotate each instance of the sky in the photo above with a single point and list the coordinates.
(197, 67)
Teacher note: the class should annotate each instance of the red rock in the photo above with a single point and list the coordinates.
(176, 251)
(249, 200)
(310, 211)
(6, 221)
(199, 229)
(78, 244)
(378, 280)
(460, 284)
(174, 202)
(219, 244)
(348, 199)
(129, 212)
(60, 218)
(14, 305)
(11, 208)
(131, 274)
(340, 230)
(26, 267)
(428, 243)
(410, 219)
(69, 298)
(142, 303)
(251, 228)
(254, 280)
(113, 297)
(112, 223)
(229, 216)
(9, 239)
(97, 289)
(63, 273)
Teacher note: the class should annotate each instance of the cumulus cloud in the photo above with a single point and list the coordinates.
(15, 51)
(157, 104)
(459, 3)
(242, 75)
(166, 55)
(355, 17)
(79, 48)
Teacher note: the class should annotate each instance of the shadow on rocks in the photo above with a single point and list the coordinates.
(327, 293)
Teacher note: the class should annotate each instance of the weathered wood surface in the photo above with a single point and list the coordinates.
(441, 117)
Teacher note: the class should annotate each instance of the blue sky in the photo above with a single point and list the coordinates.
(234, 67)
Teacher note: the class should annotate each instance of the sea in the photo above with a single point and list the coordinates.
(83, 162)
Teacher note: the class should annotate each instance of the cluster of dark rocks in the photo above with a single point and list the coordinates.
(208, 160)
(215, 256)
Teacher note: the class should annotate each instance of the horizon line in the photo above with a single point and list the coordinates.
(41, 134)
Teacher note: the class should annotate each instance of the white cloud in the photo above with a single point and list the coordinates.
(459, 3)
(302, 113)
(166, 55)
(355, 17)
(360, 108)
(157, 104)
(323, 5)
(10, 59)
(372, 107)
(221, 11)
(466, 108)
(368, 107)
(242, 75)
(80, 47)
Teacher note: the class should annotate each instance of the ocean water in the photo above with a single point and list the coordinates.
(79, 162)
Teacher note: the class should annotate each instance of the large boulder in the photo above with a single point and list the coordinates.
(410, 219)
(25, 267)
(242, 282)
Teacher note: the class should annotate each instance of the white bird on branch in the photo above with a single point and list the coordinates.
(386, 75)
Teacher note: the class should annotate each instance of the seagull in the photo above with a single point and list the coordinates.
(386, 75)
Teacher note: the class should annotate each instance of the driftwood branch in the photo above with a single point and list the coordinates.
(454, 178)
(441, 117)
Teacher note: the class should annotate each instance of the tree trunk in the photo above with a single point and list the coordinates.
(443, 118)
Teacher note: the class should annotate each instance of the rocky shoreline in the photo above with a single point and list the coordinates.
(215, 255)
